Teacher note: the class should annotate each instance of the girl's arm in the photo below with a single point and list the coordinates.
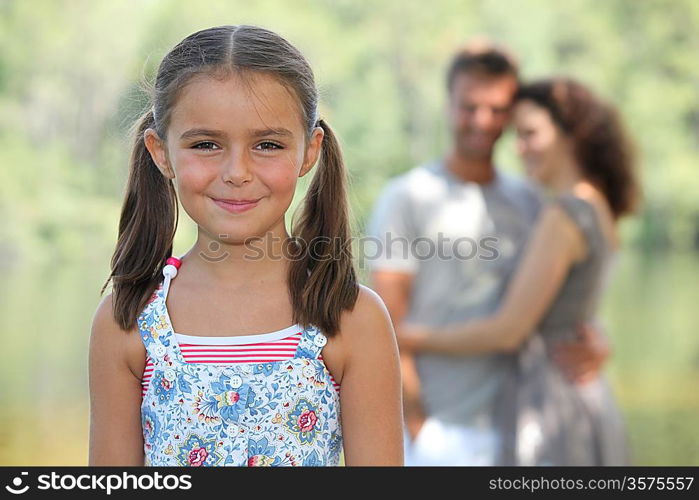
(394, 288)
(115, 394)
(370, 394)
(555, 244)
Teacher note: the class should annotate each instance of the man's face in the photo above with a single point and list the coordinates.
(479, 110)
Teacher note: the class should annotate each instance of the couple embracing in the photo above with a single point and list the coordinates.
(502, 358)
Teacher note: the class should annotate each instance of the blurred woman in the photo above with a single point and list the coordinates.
(573, 144)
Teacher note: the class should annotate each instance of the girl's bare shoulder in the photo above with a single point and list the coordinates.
(108, 339)
(368, 325)
(369, 310)
(366, 329)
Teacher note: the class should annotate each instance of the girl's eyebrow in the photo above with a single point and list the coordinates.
(272, 131)
(197, 132)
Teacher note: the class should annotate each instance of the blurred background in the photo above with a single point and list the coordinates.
(70, 87)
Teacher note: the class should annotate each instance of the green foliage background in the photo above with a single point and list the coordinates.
(70, 73)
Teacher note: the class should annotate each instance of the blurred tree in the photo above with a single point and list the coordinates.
(71, 78)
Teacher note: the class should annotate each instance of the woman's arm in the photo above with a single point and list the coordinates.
(370, 394)
(115, 394)
(555, 244)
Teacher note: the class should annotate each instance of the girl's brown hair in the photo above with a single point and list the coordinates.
(322, 281)
(601, 144)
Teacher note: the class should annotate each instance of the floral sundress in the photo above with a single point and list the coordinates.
(280, 413)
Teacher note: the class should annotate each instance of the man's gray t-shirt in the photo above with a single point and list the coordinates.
(462, 242)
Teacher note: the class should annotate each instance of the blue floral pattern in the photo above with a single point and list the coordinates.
(280, 413)
(197, 452)
(302, 420)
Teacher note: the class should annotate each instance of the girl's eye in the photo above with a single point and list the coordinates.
(206, 146)
(268, 146)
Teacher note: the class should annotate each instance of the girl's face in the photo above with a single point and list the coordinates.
(236, 147)
(540, 143)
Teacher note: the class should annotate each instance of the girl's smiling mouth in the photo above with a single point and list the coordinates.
(236, 206)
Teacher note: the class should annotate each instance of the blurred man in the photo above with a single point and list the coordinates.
(451, 234)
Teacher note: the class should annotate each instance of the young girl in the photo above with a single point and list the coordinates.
(179, 373)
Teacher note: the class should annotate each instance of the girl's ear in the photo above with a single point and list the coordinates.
(312, 151)
(157, 149)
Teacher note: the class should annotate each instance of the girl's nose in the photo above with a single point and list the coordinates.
(236, 170)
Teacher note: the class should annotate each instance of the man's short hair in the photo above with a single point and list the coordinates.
(484, 58)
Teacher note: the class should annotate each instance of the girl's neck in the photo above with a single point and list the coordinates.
(240, 264)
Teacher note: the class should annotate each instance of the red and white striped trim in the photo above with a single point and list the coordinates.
(233, 350)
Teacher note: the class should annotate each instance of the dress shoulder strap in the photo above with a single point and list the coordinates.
(583, 214)
(311, 343)
(153, 322)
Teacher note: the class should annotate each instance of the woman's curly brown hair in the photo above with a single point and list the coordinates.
(601, 144)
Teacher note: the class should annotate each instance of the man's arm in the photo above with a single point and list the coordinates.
(395, 288)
